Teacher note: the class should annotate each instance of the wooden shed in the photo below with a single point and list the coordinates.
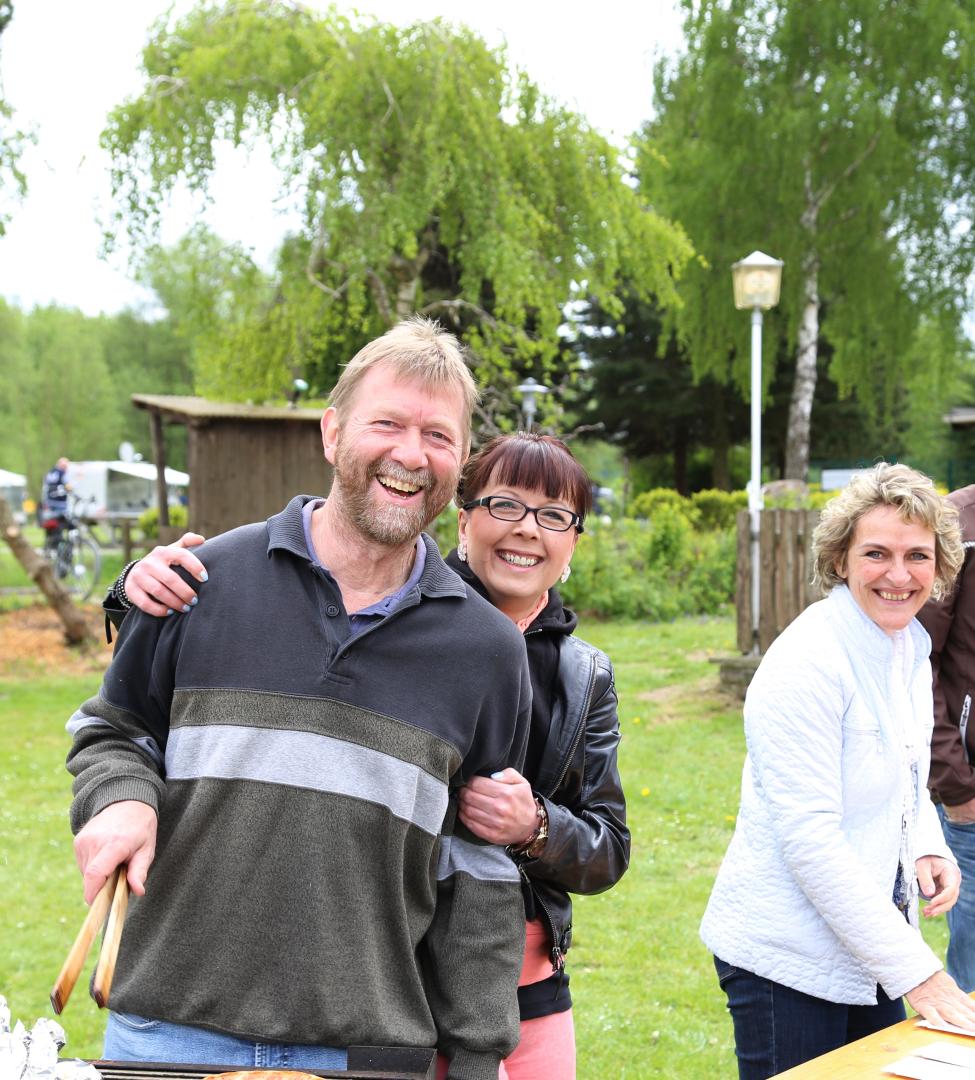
(245, 461)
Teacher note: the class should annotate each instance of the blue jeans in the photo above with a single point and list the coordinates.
(137, 1038)
(777, 1028)
(960, 961)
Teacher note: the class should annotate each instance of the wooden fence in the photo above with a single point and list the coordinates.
(785, 569)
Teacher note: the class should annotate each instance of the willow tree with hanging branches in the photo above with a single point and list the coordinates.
(432, 178)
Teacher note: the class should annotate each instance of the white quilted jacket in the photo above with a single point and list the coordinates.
(804, 894)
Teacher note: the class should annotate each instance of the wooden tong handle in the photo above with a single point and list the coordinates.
(75, 959)
(105, 971)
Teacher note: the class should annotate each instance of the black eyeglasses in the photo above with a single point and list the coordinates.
(504, 508)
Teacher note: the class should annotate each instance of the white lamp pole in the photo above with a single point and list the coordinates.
(757, 280)
(528, 389)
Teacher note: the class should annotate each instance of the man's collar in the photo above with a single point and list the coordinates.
(286, 533)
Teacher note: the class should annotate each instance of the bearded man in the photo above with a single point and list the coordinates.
(277, 772)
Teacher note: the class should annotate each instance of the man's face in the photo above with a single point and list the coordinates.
(397, 455)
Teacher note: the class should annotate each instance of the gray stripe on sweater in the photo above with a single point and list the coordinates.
(306, 760)
(486, 862)
(317, 715)
(80, 720)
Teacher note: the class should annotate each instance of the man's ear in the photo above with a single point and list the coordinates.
(330, 433)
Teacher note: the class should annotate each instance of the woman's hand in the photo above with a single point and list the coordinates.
(499, 808)
(939, 999)
(939, 881)
(156, 589)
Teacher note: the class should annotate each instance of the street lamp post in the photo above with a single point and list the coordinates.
(528, 390)
(757, 280)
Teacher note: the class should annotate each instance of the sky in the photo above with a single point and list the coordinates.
(63, 70)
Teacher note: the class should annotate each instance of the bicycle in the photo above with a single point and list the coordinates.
(72, 552)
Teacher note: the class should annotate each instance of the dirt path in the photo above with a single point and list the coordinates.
(32, 640)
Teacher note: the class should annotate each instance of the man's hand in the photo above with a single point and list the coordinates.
(158, 590)
(939, 881)
(124, 832)
(939, 998)
(499, 808)
(962, 814)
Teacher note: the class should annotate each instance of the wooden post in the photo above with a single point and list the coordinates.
(125, 525)
(767, 545)
(159, 457)
(41, 572)
(743, 580)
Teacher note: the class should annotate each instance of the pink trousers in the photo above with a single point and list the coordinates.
(547, 1046)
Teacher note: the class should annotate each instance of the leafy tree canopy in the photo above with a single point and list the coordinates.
(67, 379)
(836, 136)
(432, 180)
(13, 182)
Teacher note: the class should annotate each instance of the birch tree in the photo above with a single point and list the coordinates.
(834, 135)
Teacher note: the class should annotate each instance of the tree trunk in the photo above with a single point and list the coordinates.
(720, 443)
(406, 297)
(41, 572)
(804, 387)
(680, 462)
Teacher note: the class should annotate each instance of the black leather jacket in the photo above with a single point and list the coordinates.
(588, 847)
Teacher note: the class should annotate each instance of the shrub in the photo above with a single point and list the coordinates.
(149, 520)
(717, 509)
(656, 570)
(648, 504)
(818, 499)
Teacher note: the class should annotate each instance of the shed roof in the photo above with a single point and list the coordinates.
(960, 416)
(187, 409)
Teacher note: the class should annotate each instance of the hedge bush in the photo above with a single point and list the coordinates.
(658, 569)
(149, 520)
(648, 504)
(717, 509)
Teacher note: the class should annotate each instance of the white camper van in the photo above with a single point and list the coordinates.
(110, 491)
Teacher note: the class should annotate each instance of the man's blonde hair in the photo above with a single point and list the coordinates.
(913, 496)
(416, 348)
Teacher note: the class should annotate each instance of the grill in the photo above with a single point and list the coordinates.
(365, 1063)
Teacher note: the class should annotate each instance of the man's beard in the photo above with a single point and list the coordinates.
(385, 522)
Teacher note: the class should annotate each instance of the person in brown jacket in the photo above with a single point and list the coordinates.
(951, 624)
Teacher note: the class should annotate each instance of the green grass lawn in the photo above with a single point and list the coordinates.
(647, 1003)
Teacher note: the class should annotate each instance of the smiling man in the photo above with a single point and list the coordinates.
(278, 771)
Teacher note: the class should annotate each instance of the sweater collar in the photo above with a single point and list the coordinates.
(286, 533)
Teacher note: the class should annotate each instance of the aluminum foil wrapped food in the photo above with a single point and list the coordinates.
(33, 1054)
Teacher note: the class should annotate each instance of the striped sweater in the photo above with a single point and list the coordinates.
(311, 882)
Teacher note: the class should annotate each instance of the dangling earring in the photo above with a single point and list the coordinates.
(462, 551)
(565, 574)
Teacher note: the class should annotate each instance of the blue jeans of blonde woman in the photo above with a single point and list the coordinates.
(137, 1038)
(960, 961)
(777, 1028)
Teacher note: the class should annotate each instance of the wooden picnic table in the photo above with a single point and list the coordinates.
(866, 1058)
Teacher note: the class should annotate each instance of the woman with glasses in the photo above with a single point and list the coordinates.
(523, 500)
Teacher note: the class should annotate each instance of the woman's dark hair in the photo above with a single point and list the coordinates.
(528, 460)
